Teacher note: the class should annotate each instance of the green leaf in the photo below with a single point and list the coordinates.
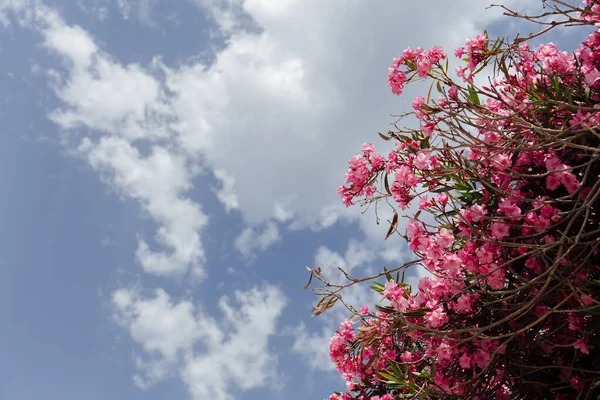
(439, 87)
(376, 289)
(390, 377)
(388, 276)
(473, 95)
(480, 69)
(555, 83)
(498, 44)
(395, 368)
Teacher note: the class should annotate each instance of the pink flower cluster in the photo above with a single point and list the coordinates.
(495, 310)
(419, 62)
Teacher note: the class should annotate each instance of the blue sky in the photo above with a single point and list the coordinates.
(169, 171)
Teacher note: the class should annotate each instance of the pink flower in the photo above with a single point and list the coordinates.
(484, 255)
(500, 230)
(508, 207)
(496, 279)
(444, 238)
(392, 291)
(553, 181)
(592, 77)
(435, 54)
(423, 67)
(575, 323)
(465, 361)
(570, 182)
(453, 92)
(443, 199)
(424, 203)
(368, 148)
(428, 128)
(464, 303)
(581, 346)
(442, 381)
(452, 263)
(376, 160)
(436, 318)
(482, 358)
(396, 81)
(421, 161)
(554, 164)
(418, 103)
(413, 229)
(477, 212)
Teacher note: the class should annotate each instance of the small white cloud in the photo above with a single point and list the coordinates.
(226, 194)
(252, 320)
(124, 8)
(177, 337)
(252, 239)
(105, 242)
(282, 213)
(157, 182)
(313, 347)
(329, 261)
(145, 13)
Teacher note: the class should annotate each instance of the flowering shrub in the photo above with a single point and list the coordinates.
(506, 178)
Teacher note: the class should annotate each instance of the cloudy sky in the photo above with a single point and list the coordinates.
(169, 169)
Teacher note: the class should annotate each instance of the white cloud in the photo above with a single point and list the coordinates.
(157, 323)
(127, 107)
(329, 261)
(226, 194)
(303, 93)
(251, 239)
(177, 337)
(102, 95)
(313, 346)
(124, 8)
(93, 8)
(145, 13)
(280, 110)
(157, 181)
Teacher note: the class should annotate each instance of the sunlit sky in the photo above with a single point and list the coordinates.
(169, 169)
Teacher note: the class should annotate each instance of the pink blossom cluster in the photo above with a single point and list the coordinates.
(495, 311)
(475, 50)
(413, 62)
